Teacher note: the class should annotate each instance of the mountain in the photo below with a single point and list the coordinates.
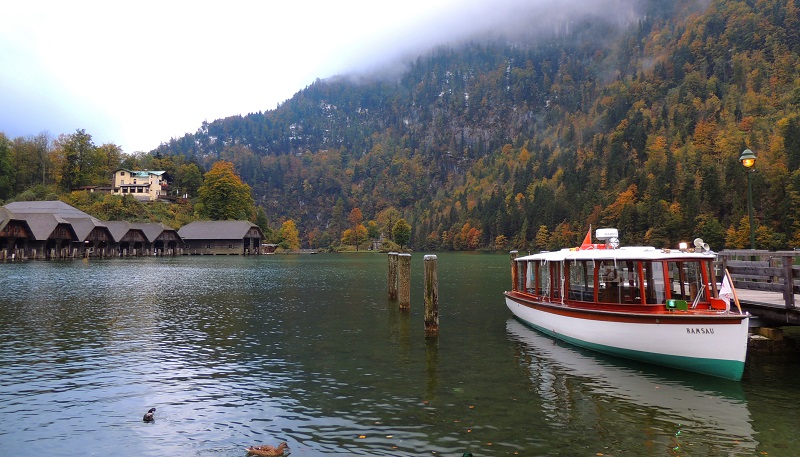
(635, 122)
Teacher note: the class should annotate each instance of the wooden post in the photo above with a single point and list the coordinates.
(431, 297)
(404, 280)
(514, 269)
(788, 282)
(391, 277)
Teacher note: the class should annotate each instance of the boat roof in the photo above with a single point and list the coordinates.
(622, 253)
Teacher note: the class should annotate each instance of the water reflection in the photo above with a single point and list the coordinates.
(662, 411)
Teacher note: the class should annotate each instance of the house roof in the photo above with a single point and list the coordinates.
(216, 230)
(142, 173)
(152, 230)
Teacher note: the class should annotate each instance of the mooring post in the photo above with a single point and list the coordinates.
(514, 269)
(431, 296)
(391, 276)
(788, 282)
(404, 280)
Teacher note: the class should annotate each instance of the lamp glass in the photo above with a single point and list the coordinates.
(748, 158)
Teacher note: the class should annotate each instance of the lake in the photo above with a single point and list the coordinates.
(237, 351)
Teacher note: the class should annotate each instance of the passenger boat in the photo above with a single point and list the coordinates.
(661, 306)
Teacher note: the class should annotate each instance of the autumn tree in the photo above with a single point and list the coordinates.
(31, 161)
(78, 156)
(355, 218)
(290, 236)
(401, 232)
(6, 170)
(387, 219)
(108, 158)
(188, 179)
(373, 232)
(223, 196)
(355, 235)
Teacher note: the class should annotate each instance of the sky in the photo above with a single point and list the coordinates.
(139, 73)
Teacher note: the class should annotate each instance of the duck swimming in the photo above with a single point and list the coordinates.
(267, 450)
(148, 416)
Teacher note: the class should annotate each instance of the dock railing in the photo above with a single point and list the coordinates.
(777, 272)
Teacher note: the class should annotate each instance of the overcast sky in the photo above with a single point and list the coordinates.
(139, 73)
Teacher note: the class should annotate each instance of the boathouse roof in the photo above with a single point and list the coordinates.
(217, 230)
(152, 230)
(82, 223)
(42, 225)
(119, 229)
(83, 226)
(5, 217)
(49, 207)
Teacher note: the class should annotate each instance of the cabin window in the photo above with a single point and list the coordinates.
(530, 277)
(543, 283)
(556, 280)
(619, 282)
(581, 281)
(686, 281)
(654, 282)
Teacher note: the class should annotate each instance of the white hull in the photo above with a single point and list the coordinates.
(714, 348)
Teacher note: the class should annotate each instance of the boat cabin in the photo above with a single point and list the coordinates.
(629, 275)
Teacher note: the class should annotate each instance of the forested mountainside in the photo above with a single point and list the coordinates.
(635, 124)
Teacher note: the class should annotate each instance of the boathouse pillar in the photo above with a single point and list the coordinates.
(431, 296)
(391, 277)
(404, 280)
(514, 280)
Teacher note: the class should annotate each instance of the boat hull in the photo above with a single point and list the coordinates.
(704, 343)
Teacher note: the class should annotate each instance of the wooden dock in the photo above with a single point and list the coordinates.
(767, 284)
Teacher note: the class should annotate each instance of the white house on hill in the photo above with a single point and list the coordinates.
(144, 185)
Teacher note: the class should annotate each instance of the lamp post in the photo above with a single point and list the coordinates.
(748, 159)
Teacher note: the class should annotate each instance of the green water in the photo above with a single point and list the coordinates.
(236, 351)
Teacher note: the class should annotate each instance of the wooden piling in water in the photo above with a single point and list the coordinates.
(404, 280)
(391, 276)
(514, 269)
(431, 296)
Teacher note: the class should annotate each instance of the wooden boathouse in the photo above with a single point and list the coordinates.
(221, 238)
(56, 230)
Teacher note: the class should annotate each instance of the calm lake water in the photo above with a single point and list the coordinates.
(236, 351)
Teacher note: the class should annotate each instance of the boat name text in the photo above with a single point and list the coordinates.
(699, 331)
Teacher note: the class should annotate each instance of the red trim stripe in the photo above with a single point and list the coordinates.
(657, 316)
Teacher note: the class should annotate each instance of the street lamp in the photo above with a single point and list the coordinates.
(748, 159)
